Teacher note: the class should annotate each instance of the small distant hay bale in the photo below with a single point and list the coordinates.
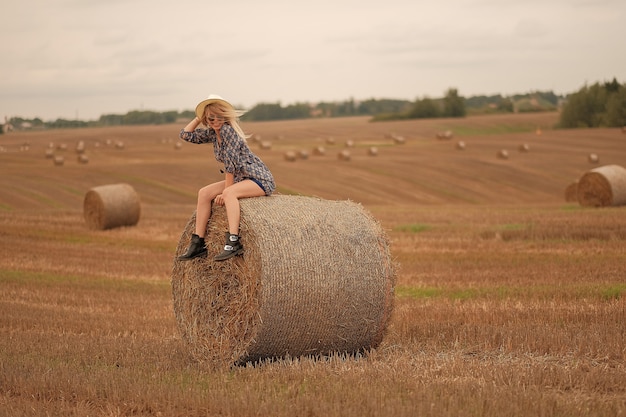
(503, 154)
(62, 147)
(524, 147)
(83, 159)
(538, 131)
(372, 151)
(266, 145)
(349, 143)
(399, 140)
(571, 193)
(593, 158)
(319, 151)
(460, 145)
(344, 155)
(80, 147)
(119, 145)
(447, 135)
(110, 206)
(178, 146)
(49, 153)
(291, 156)
(330, 140)
(602, 187)
(59, 161)
(316, 278)
(303, 154)
(256, 138)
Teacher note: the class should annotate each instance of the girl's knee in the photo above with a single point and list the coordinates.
(209, 192)
(203, 193)
(228, 194)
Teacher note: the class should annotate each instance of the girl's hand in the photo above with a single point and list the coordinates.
(219, 200)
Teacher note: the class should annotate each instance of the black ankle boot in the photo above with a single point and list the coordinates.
(196, 248)
(232, 247)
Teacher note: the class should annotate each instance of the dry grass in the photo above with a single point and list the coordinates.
(501, 309)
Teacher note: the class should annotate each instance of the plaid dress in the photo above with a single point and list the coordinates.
(235, 154)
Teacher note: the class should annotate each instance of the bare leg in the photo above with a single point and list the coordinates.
(203, 208)
(231, 196)
(230, 199)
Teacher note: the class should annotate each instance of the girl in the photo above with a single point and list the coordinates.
(245, 174)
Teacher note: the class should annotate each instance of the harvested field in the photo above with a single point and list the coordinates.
(508, 300)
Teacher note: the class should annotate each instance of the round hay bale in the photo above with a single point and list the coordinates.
(503, 154)
(178, 146)
(80, 147)
(316, 278)
(319, 151)
(344, 155)
(571, 193)
(447, 135)
(372, 151)
(603, 186)
(524, 147)
(291, 156)
(399, 140)
(460, 145)
(303, 154)
(593, 158)
(49, 153)
(266, 145)
(349, 143)
(110, 206)
(330, 140)
(59, 161)
(83, 158)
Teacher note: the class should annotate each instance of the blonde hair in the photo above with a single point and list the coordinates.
(230, 115)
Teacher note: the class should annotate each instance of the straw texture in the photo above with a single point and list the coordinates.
(110, 206)
(602, 186)
(316, 278)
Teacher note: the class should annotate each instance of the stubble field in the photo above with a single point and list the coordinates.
(509, 300)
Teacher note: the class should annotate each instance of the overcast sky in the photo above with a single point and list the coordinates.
(84, 58)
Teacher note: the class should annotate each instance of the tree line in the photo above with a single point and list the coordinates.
(598, 105)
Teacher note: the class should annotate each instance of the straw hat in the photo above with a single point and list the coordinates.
(213, 98)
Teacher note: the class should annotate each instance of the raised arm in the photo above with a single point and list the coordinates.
(191, 133)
